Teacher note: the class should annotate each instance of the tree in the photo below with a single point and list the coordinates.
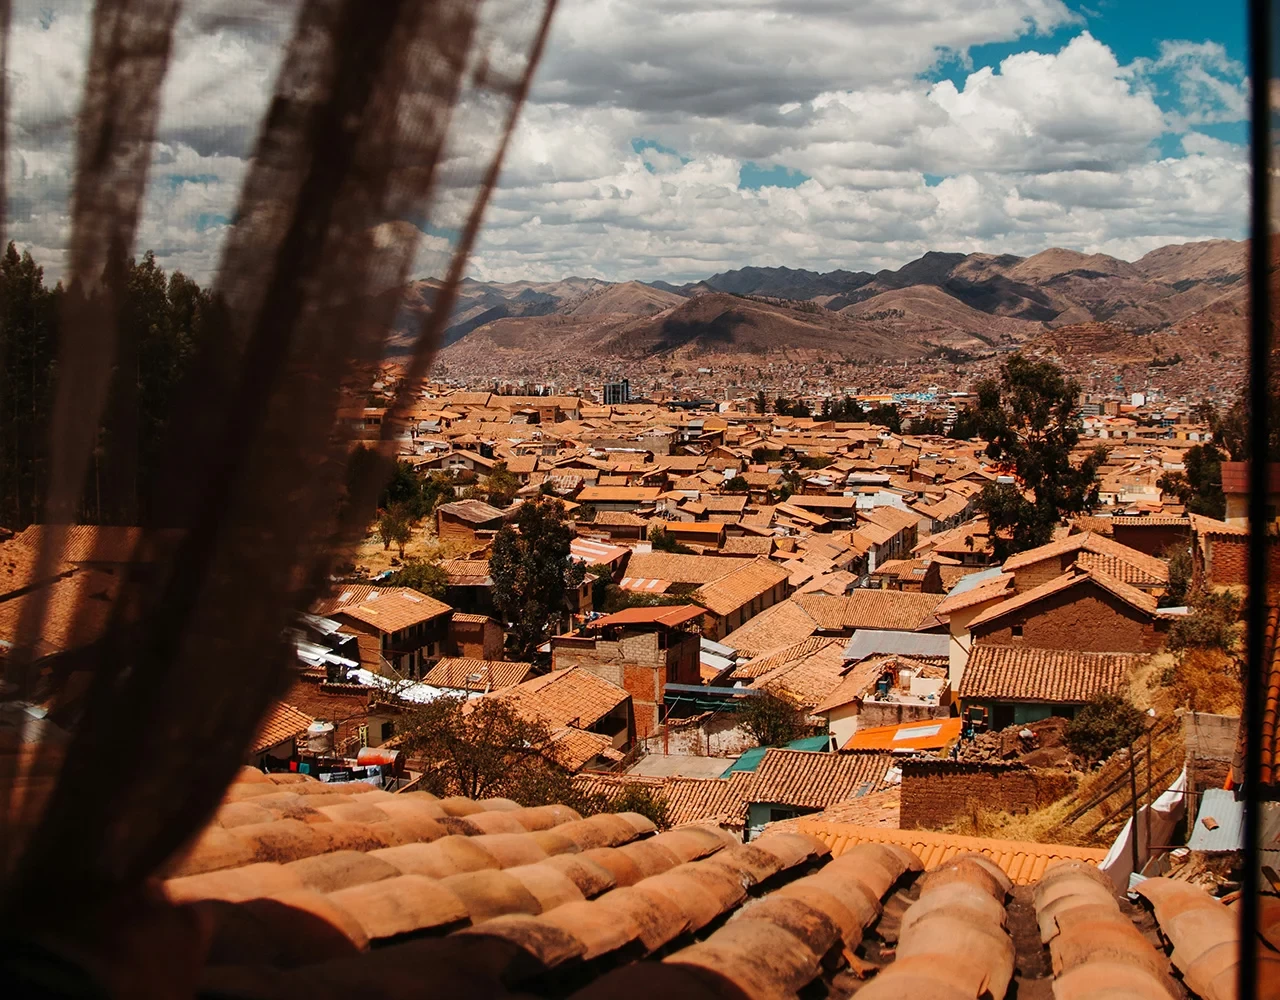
(479, 749)
(886, 415)
(925, 425)
(394, 527)
(663, 540)
(1103, 726)
(762, 403)
(1030, 420)
(771, 721)
(735, 484)
(1199, 487)
(965, 427)
(1178, 556)
(502, 485)
(644, 800)
(1214, 623)
(423, 576)
(532, 573)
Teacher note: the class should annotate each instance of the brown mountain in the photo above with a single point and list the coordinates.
(971, 303)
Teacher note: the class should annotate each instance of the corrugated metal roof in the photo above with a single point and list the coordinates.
(976, 580)
(1221, 806)
(869, 641)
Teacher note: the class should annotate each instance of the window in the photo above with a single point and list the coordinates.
(1017, 631)
(388, 731)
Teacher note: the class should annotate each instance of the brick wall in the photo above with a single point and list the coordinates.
(935, 793)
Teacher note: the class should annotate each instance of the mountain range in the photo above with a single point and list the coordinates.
(1190, 295)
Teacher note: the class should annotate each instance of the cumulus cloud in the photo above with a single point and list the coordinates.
(629, 158)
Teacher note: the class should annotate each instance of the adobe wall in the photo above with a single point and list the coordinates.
(1040, 572)
(1151, 540)
(718, 736)
(893, 713)
(936, 793)
(1086, 618)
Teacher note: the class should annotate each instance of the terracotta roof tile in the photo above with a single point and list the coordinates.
(565, 697)
(815, 780)
(680, 568)
(392, 609)
(740, 587)
(785, 622)
(282, 722)
(1022, 861)
(1022, 673)
(470, 674)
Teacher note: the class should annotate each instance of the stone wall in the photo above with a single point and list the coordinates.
(717, 736)
(935, 793)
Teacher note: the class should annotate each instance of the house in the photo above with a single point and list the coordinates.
(893, 533)
(593, 553)
(276, 741)
(640, 650)
(1153, 534)
(477, 636)
(803, 673)
(733, 599)
(468, 520)
(618, 498)
(707, 533)
(790, 783)
(411, 628)
(1087, 611)
(884, 691)
(804, 615)
(578, 700)
(1014, 685)
(1087, 550)
(964, 602)
(470, 587)
(1235, 487)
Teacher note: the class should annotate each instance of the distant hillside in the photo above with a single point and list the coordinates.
(966, 302)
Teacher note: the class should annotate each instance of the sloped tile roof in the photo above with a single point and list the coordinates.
(681, 568)
(1022, 673)
(76, 610)
(786, 655)
(393, 609)
(814, 780)
(807, 680)
(742, 586)
(988, 590)
(472, 674)
(877, 609)
(785, 622)
(282, 722)
(563, 697)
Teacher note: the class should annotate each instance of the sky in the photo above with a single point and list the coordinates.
(673, 139)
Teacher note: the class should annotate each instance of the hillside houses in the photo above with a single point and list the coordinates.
(837, 566)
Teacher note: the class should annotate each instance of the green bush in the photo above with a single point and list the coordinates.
(1214, 623)
(1103, 726)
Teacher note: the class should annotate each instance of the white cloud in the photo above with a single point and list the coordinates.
(1041, 149)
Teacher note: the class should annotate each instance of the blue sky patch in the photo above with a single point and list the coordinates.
(753, 177)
